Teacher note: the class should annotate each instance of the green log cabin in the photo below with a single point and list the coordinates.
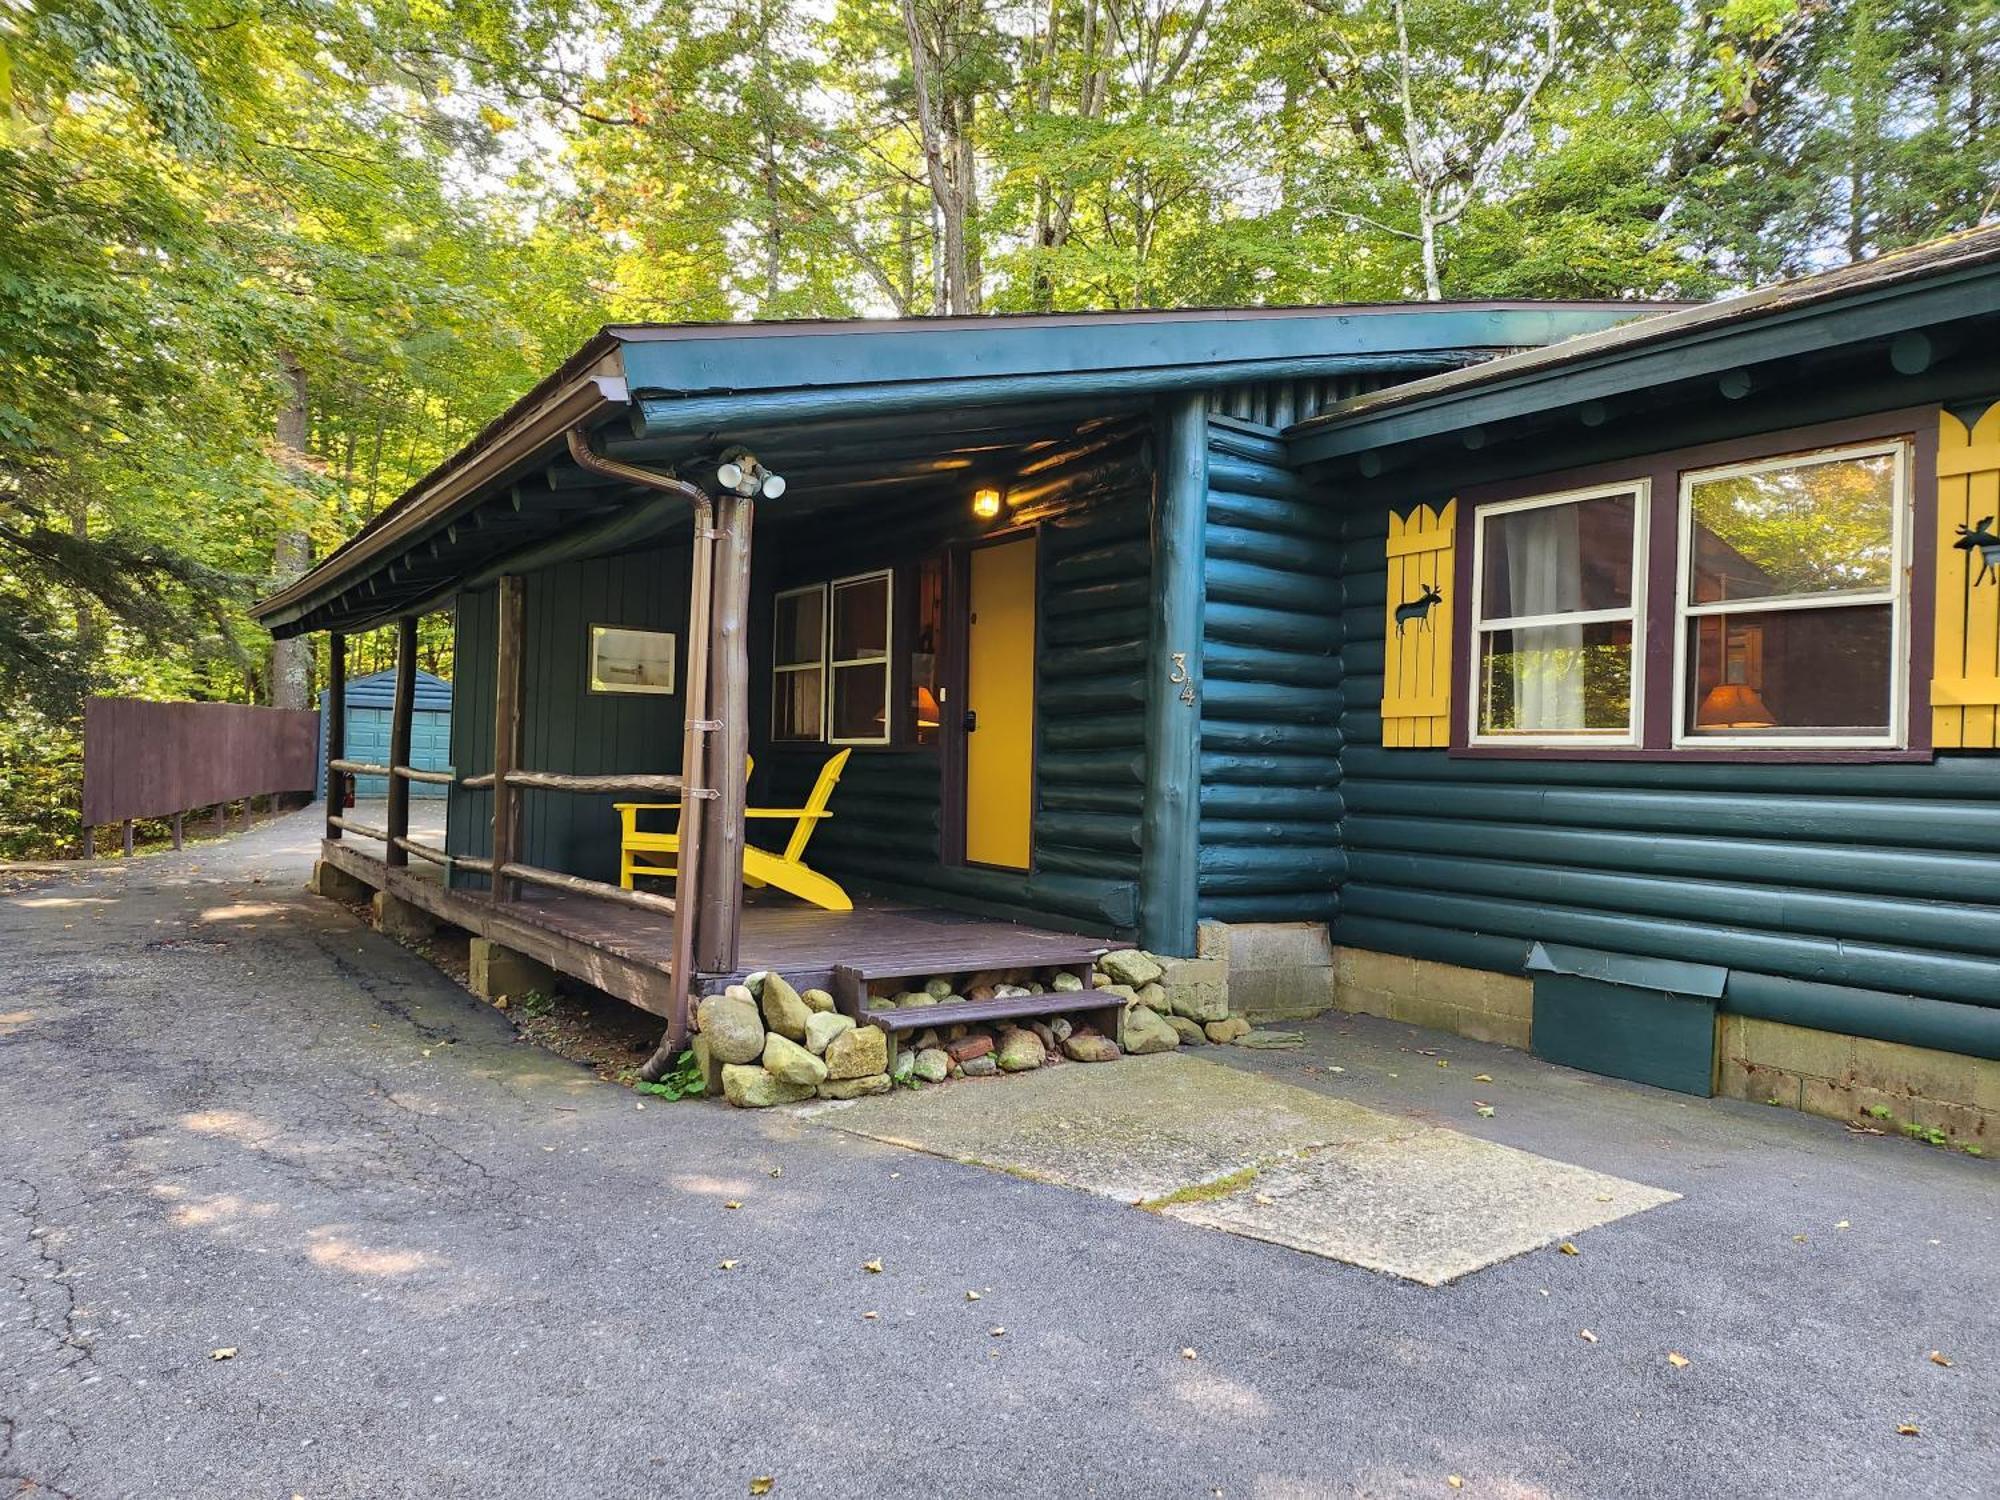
(1613, 680)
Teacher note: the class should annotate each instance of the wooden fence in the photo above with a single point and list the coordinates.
(143, 759)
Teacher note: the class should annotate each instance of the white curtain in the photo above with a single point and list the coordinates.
(1545, 577)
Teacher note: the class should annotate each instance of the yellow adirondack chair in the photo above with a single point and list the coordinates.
(642, 851)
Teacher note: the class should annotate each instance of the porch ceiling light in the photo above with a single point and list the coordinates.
(743, 475)
(986, 503)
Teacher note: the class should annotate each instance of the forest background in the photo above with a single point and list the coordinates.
(264, 262)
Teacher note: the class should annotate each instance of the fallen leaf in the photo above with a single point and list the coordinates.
(1587, 1336)
(1187, 1354)
(1442, 1063)
(972, 1296)
(1482, 1077)
(1841, 1225)
(229, 1353)
(1485, 1111)
(1678, 1361)
(777, 1171)
(727, 1265)
(996, 1330)
(1568, 1249)
(762, 1484)
(732, 1203)
(1907, 1429)
(1939, 1359)
(872, 1267)
(870, 1316)
(1454, 1481)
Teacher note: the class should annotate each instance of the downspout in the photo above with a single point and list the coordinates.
(695, 791)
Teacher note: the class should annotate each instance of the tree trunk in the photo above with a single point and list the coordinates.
(291, 661)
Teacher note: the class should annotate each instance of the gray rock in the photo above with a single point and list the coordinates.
(708, 1065)
(932, 1064)
(754, 983)
(749, 1087)
(817, 1001)
(1146, 1032)
(1129, 966)
(911, 999)
(1154, 995)
(854, 1088)
(1199, 1002)
(1021, 1052)
(1066, 983)
(1271, 1040)
(938, 986)
(740, 992)
(784, 1012)
(729, 1021)
(823, 1028)
(928, 1037)
(787, 1060)
(1190, 1032)
(979, 1067)
(1061, 1027)
(906, 1064)
(1046, 1033)
(1228, 1029)
(858, 1053)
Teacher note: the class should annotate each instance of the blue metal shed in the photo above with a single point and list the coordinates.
(370, 700)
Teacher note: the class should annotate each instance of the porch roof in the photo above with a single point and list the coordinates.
(840, 407)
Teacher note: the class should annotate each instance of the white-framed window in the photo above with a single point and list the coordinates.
(1558, 611)
(798, 664)
(861, 612)
(624, 660)
(1792, 601)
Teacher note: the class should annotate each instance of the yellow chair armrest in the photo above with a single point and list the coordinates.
(644, 806)
(783, 812)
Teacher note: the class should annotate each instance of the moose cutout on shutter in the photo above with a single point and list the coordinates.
(1416, 661)
(1965, 685)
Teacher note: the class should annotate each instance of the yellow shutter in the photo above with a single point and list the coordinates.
(1416, 666)
(1965, 680)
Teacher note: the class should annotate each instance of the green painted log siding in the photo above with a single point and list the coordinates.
(1834, 893)
(1090, 508)
(566, 726)
(1271, 690)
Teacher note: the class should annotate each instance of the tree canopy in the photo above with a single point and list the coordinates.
(261, 267)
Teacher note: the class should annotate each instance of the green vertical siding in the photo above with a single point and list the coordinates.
(1831, 891)
(567, 727)
(1271, 692)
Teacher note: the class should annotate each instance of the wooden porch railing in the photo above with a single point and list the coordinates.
(707, 901)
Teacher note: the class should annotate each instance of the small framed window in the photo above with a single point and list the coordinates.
(1558, 586)
(798, 664)
(623, 660)
(859, 660)
(1791, 601)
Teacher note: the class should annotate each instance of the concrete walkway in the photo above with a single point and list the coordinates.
(450, 1265)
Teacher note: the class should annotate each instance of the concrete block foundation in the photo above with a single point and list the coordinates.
(496, 970)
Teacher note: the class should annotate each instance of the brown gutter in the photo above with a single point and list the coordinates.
(697, 790)
(449, 492)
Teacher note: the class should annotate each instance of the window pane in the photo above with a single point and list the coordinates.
(1791, 672)
(1558, 559)
(1818, 527)
(798, 633)
(861, 702)
(795, 705)
(631, 661)
(861, 619)
(1556, 679)
(925, 712)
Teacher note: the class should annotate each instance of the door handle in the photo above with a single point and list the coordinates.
(971, 721)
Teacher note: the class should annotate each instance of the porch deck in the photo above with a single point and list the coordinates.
(629, 953)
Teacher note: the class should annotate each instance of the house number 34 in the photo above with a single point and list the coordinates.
(1180, 678)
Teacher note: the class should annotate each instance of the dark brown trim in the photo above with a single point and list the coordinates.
(1917, 425)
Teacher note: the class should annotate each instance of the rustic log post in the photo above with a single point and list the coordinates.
(177, 832)
(336, 736)
(221, 819)
(401, 716)
(512, 617)
(719, 890)
(1170, 850)
(90, 843)
(127, 837)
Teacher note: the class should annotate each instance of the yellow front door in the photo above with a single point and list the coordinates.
(1000, 699)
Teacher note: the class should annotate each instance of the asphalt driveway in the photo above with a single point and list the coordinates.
(451, 1265)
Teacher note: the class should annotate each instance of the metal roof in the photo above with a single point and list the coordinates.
(1901, 290)
(922, 390)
